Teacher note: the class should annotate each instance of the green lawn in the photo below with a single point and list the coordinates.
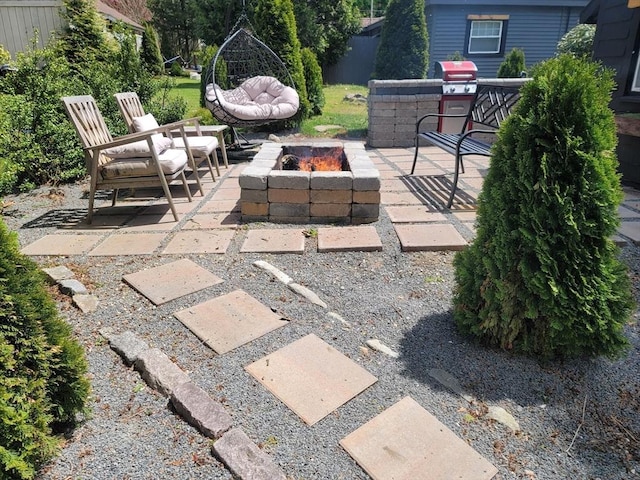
(351, 117)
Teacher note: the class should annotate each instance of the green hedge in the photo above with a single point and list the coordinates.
(42, 367)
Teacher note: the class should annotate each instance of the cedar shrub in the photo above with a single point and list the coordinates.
(513, 65)
(313, 80)
(150, 54)
(42, 369)
(403, 51)
(542, 276)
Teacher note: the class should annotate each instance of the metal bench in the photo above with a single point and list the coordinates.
(491, 105)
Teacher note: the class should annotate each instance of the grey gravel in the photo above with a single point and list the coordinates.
(579, 419)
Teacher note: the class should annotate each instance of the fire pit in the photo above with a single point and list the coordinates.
(321, 183)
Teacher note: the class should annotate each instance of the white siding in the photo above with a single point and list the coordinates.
(19, 21)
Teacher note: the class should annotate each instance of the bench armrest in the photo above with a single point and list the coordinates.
(468, 133)
(438, 115)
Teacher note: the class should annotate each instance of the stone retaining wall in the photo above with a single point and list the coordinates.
(396, 105)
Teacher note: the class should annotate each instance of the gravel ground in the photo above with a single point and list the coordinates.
(580, 419)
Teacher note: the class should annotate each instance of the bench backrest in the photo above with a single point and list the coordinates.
(491, 106)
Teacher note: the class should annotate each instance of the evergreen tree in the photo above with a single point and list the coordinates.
(313, 80)
(542, 275)
(274, 20)
(84, 38)
(403, 51)
(42, 367)
(150, 51)
(578, 41)
(513, 65)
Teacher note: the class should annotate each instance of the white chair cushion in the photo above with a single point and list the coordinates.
(200, 146)
(139, 149)
(171, 161)
(147, 122)
(257, 98)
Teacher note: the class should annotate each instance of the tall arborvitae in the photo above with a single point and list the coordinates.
(150, 54)
(513, 65)
(542, 275)
(84, 39)
(403, 51)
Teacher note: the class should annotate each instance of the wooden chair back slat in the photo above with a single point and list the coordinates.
(130, 107)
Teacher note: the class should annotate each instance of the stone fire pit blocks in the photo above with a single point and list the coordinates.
(286, 196)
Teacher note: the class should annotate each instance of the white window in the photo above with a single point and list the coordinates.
(635, 86)
(485, 36)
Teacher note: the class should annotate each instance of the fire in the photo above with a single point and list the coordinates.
(309, 159)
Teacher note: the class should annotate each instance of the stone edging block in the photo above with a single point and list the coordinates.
(159, 371)
(200, 410)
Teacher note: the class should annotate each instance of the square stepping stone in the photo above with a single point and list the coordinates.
(272, 240)
(349, 239)
(98, 222)
(399, 198)
(227, 194)
(627, 213)
(204, 221)
(62, 245)
(311, 377)
(129, 244)
(229, 321)
(172, 280)
(426, 237)
(200, 241)
(405, 442)
(414, 214)
(153, 222)
(466, 217)
(220, 206)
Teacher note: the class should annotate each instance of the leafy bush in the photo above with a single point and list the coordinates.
(406, 54)
(167, 108)
(578, 41)
(513, 65)
(313, 80)
(5, 56)
(542, 276)
(42, 367)
(176, 69)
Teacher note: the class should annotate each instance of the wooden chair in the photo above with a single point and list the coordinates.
(139, 160)
(202, 147)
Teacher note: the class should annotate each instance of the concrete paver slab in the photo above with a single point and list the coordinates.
(172, 280)
(200, 241)
(290, 240)
(630, 230)
(151, 223)
(98, 223)
(414, 214)
(467, 216)
(349, 239)
(627, 212)
(405, 442)
(311, 377)
(229, 321)
(226, 194)
(62, 245)
(400, 198)
(129, 244)
(414, 238)
(220, 206)
(203, 221)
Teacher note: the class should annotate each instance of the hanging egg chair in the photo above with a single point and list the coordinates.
(248, 84)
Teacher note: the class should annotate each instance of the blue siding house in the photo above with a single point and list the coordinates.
(484, 31)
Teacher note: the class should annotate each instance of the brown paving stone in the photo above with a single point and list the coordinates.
(220, 206)
(393, 185)
(414, 214)
(349, 239)
(426, 169)
(62, 244)
(229, 321)
(414, 238)
(406, 442)
(205, 221)
(200, 241)
(389, 174)
(129, 244)
(151, 223)
(630, 230)
(226, 194)
(182, 207)
(290, 240)
(399, 198)
(627, 213)
(467, 217)
(171, 280)
(99, 222)
(311, 377)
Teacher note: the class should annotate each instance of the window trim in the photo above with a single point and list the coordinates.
(502, 19)
(636, 77)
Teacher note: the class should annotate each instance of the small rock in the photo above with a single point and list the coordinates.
(382, 348)
(71, 286)
(308, 294)
(335, 316)
(364, 351)
(273, 138)
(500, 415)
(56, 274)
(86, 303)
(451, 382)
(281, 276)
